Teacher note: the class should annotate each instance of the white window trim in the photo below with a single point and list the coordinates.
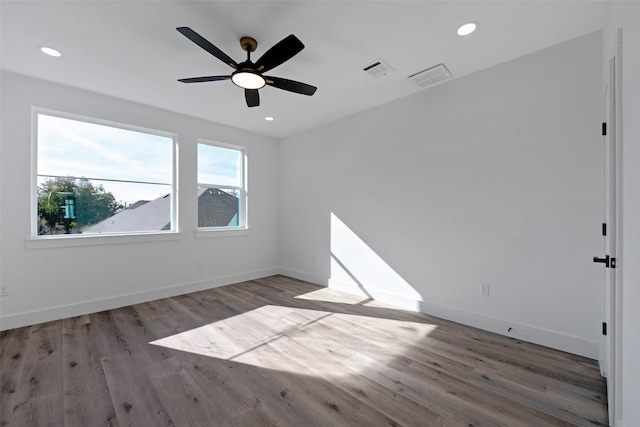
(243, 228)
(205, 233)
(36, 241)
(71, 240)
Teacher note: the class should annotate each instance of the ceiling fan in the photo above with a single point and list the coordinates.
(247, 74)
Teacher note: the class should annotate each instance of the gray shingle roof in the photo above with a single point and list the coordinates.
(215, 209)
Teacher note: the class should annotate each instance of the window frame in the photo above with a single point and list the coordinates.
(36, 240)
(243, 216)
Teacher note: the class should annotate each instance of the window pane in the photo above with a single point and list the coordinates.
(219, 166)
(101, 179)
(218, 207)
(80, 149)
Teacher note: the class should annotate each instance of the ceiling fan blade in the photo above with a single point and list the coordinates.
(204, 79)
(206, 45)
(291, 85)
(252, 97)
(282, 51)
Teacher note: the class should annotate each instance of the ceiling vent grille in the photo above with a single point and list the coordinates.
(377, 69)
(431, 76)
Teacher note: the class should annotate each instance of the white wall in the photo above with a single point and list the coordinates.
(492, 178)
(49, 283)
(625, 15)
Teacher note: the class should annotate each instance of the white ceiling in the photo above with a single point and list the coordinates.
(131, 49)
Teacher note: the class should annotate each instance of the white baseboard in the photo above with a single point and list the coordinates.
(62, 312)
(533, 334)
(307, 277)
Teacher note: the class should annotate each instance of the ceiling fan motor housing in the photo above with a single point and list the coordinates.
(248, 44)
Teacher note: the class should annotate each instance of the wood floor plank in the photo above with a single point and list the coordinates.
(14, 346)
(243, 402)
(37, 400)
(86, 393)
(330, 361)
(345, 328)
(412, 334)
(134, 397)
(319, 401)
(328, 365)
(348, 345)
(279, 396)
(278, 351)
(540, 400)
(185, 401)
(400, 359)
(577, 399)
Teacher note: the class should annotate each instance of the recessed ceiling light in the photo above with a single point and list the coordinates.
(50, 51)
(467, 28)
(269, 118)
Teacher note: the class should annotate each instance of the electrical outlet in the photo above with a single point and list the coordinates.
(4, 291)
(484, 290)
(200, 264)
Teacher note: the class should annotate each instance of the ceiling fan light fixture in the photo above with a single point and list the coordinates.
(467, 28)
(248, 79)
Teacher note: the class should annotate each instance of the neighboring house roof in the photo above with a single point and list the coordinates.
(137, 204)
(215, 209)
(150, 216)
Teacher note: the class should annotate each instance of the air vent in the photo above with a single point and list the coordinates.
(377, 68)
(431, 76)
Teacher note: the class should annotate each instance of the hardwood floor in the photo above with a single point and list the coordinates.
(281, 352)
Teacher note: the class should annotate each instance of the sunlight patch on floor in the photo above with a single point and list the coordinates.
(331, 295)
(341, 297)
(264, 337)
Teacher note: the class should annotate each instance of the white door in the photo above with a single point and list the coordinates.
(609, 260)
(610, 238)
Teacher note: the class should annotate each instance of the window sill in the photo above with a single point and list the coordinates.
(205, 233)
(45, 242)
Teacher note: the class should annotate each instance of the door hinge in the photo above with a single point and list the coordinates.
(604, 229)
(604, 328)
(604, 128)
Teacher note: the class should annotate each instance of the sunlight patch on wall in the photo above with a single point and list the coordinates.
(356, 268)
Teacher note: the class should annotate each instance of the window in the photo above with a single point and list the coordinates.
(221, 186)
(95, 177)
